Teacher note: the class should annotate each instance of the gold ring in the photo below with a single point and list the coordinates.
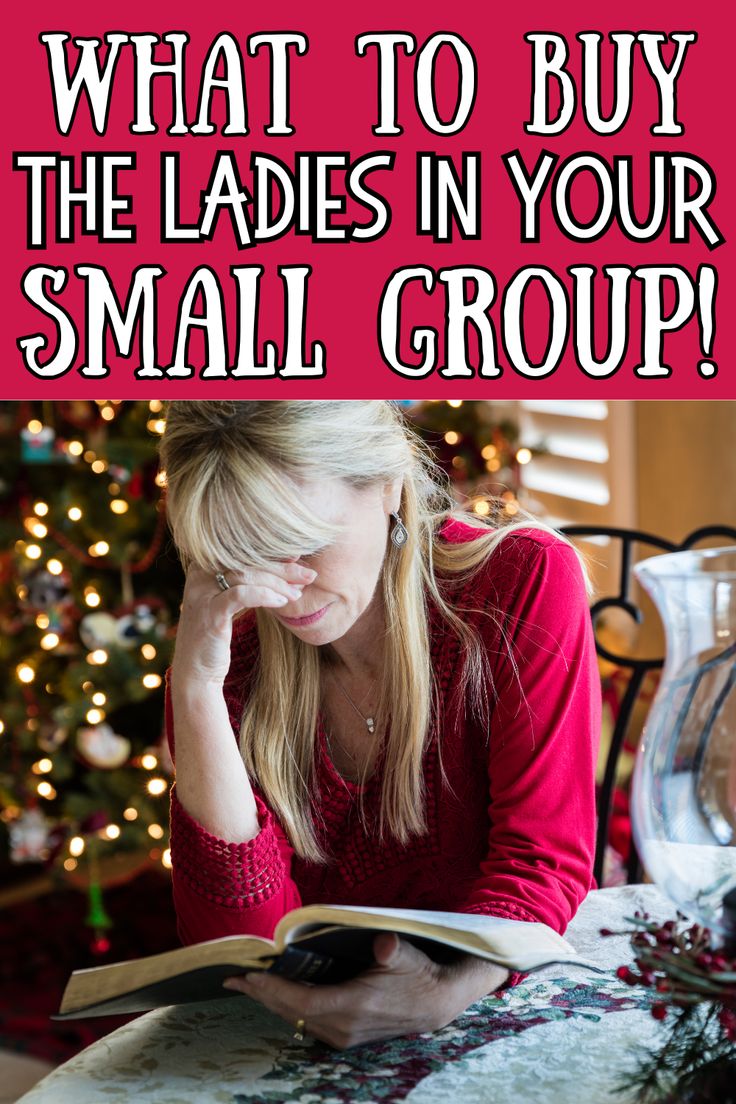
(222, 581)
(299, 1033)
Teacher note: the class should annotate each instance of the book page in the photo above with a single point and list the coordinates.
(99, 983)
(516, 944)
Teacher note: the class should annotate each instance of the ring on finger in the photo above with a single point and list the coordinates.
(222, 581)
(299, 1033)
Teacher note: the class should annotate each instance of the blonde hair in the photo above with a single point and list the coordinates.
(231, 501)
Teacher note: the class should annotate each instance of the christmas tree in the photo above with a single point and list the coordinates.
(89, 596)
(477, 448)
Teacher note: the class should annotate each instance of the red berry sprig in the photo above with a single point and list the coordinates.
(679, 962)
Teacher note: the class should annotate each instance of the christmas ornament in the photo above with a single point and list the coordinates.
(46, 590)
(57, 838)
(140, 622)
(37, 446)
(119, 474)
(51, 736)
(98, 630)
(29, 837)
(103, 748)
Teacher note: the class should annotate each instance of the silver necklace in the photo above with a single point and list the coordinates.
(369, 721)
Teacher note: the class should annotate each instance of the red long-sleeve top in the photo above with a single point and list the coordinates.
(514, 835)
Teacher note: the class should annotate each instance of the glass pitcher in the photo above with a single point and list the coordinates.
(684, 785)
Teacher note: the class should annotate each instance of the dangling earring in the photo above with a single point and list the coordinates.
(399, 534)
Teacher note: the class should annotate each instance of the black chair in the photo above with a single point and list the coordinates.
(637, 668)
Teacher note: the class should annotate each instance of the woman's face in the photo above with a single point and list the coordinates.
(348, 569)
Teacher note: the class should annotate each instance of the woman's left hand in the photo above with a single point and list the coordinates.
(403, 993)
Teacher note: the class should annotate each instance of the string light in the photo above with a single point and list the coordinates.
(493, 465)
(45, 789)
(160, 479)
(156, 425)
(452, 437)
(98, 656)
(488, 452)
(119, 506)
(455, 402)
(107, 413)
(25, 672)
(152, 681)
(99, 548)
(95, 716)
(155, 406)
(40, 508)
(481, 507)
(89, 456)
(2, 727)
(55, 567)
(155, 831)
(42, 620)
(524, 455)
(149, 762)
(157, 786)
(43, 766)
(148, 651)
(166, 858)
(76, 846)
(34, 426)
(49, 641)
(130, 813)
(76, 448)
(36, 528)
(113, 489)
(99, 698)
(70, 864)
(33, 552)
(111, 831)
(74, 513)
(91, 597)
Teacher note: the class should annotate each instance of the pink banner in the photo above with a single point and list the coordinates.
(294, 201)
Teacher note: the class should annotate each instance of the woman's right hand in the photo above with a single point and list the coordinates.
(204, 631)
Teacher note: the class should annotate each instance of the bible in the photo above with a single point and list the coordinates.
(318, 944)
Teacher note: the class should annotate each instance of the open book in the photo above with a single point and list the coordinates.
(319, 944)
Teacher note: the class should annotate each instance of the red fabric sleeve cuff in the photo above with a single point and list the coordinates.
(513, 979)
(511, 911)
(508, 909)
(236, 875)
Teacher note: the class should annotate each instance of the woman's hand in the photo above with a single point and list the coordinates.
(204, 631)
(405, 992)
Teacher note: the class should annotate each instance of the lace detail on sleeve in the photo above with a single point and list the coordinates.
(507, 909)
(235, 875)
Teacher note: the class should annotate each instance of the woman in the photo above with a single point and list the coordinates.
(412, 691)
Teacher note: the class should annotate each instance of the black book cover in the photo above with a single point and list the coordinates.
(322, 959)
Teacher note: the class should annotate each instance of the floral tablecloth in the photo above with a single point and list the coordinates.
(565, 1033)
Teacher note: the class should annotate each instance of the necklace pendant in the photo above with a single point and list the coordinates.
(371, 723)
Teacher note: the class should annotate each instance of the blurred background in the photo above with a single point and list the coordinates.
(89, 594)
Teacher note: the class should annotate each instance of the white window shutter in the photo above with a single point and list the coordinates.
(586, 475)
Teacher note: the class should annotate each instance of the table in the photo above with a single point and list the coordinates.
(565, 1033)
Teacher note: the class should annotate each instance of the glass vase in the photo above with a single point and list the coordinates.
(684, 785)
